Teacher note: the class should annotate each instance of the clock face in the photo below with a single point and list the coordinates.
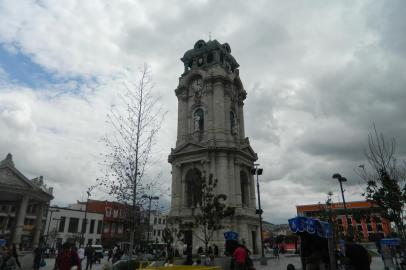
(197, 85)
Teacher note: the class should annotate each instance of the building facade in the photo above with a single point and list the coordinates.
(211, 141)
(116, 220)
(65, 224)
(23, 206)
(364, 217)
(157, 224)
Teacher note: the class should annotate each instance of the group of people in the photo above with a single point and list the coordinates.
(115, 254)
(87, 253)
(69, 258)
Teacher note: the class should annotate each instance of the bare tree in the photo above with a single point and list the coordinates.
(134, 126)
(386, 180)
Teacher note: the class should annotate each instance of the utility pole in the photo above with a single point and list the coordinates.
(341, 180)
(258, 171)
(150, 198)
(84, 224)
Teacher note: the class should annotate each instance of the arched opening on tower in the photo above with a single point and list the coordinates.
(193, 181)
(244, 188)
(198, 118)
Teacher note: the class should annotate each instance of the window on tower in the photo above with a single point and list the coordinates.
(198, 120)
(209, 57)
(193, 181)
(232, 123)
(244, 188)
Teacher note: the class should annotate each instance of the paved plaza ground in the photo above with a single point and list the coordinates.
(273, 264)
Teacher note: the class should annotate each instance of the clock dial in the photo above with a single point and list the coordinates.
(197, 85)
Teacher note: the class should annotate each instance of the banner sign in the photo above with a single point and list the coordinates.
(230, 235)
(311, 225)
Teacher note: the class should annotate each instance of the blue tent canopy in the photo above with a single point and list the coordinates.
(230, 235)
(390, 241)
(311, 226)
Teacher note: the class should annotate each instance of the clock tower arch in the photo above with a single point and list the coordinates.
(211, 140)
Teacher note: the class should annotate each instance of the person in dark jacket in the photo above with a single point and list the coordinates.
(7, 260)
(37, 258)
(357, 257)
(14, 253)
(67, 259)
(89, 254)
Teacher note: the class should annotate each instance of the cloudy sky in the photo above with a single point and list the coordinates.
(318, 75)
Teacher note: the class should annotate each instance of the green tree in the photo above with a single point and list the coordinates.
(385, 179)
(210, 211)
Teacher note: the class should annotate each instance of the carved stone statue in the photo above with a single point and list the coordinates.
(196, 119)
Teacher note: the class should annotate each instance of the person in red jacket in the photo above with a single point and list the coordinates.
(67, 258)
(240, 257)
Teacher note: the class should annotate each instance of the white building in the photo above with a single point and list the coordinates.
(158, 224)
(66, 224)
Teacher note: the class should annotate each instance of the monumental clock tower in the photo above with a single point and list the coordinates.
(211, 140)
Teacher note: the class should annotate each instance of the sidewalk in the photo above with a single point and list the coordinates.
(284, 260)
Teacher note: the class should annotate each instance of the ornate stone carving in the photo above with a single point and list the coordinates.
(233, 95)
(227, 89)
(242, 95)
(208, 88)
(181, 93)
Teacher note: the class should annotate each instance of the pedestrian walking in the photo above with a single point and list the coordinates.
(216, 250)
(81, 253)
(8, 261)
(356, 256)
(110, 255)
(240, 257)
(89, 254)
(37, 258)
(67, 259)
(276, 251)
(15, 255)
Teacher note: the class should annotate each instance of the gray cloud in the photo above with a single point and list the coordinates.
(318, 74)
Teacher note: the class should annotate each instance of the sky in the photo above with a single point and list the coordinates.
(318, 75)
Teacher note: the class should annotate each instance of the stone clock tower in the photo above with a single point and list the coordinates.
(211, 140)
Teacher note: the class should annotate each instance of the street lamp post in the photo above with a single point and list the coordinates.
(341, 180)
(57, 227)
(84, 227)
(49, 223)
(150, 198)
(258, 171)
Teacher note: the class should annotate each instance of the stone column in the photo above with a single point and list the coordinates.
(219, 125)
(5, 223)
(20, 216)
(38, 225)
(241, 120)
(253, 189)
(176, 186)
(182, 121)
(210, 111)
(237, 181)
(231, 181)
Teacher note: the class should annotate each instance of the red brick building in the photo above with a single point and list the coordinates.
(116, 221)
(367, 223)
